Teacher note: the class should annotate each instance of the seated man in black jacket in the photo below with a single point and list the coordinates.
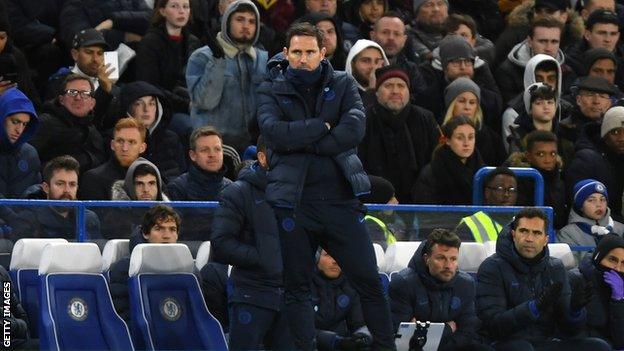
(432, 279)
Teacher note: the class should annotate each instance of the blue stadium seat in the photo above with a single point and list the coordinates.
(471, 255)
(77, 311)
(166, 305)
(399, 254)
(385, 282)
(24, 273)
(379, 256)
(114, 250)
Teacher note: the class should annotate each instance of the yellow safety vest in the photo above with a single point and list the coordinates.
(390, 239)
(481, 225)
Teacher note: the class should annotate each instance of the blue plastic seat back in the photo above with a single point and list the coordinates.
(28, 291)
(385, 282)
(77, 314)
(168, 312)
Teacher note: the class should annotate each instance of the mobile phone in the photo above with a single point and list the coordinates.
(111, 57)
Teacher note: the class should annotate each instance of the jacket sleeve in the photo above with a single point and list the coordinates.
(119, 288)
(400, 301)
(282, 135)
(616, 323)
(213, 286)
(135, 20)
(349, 131)
(499, 321)
(569, 322)
(205, 78)
(467, 321)
(147, 61)
(355, 317)
(228, 225)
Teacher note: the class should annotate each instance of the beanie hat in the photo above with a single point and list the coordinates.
(458, 86)
(606, 244)
(381, 191)
(613, 118)
(584, 188)
(592, 55)
(392, 71)
(418, 3)
(5, 25)
(454, 47)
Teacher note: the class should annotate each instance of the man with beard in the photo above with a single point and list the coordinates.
(427, 31)
(363, 59)
(60, 182)
(222, 79)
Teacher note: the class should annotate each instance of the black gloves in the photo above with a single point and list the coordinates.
(357, 341)
(213, 44)
(581, 297)
(548, 296)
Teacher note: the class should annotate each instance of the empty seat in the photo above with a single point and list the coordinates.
(563, 252)
(167, 308)
(470, 256)
(490, 247)
(203, 254)
(77, 311)
(24, 273)
(379, 256)
(399, 254)
(114, 250)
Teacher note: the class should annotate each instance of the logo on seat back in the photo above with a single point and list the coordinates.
(170, 309)
(77, 309)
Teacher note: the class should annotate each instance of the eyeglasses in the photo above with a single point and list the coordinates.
(85, 94)
(502, 190)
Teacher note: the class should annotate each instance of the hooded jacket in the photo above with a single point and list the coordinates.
(582, 231)
(123, 190)
(245, 235)
(414, 293)
(507, 287)
(19, 161)
(358, 47)
(299, 142)
(163, 145)
(224, 90)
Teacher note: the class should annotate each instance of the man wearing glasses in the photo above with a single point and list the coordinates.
(67, 125)
(501, 189)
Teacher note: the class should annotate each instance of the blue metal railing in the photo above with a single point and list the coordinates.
(479, 177)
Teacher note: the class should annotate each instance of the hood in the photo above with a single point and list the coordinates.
(225, 19)
(521, 54)
(255, 175)
(11, 102)
(576, 217)
(417, 263)
(505, 249)
(128, 182)
(358, 47)
(526, 95)
(132, 91)
(529, 71)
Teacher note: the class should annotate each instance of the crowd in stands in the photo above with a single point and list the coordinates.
(448, 87)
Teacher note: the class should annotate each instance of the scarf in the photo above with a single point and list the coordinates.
(302, 77)
(597, 231)
(453, 178)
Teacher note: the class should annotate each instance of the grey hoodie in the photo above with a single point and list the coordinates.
(358, 47)
(521, 54)
(225, 20)
(123, 190)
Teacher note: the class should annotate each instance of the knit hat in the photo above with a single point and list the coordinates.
(601, 16)
(458, 86)
(584, 188)
(613, 118)
(606, 244)
(418, 3)
(454, 47)
(392, 71)
(381, 191)
(592, 55)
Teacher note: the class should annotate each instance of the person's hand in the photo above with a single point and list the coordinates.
(103, 76)
(328, 126)
(372, 81)
(215, 47)
(548, 296)
(453, 325)
(107, 24)
(357, 341)
(6, 85)
(614, 280)
(131, 37)
(581, 297)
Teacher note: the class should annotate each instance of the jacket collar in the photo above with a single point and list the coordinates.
(231, 50)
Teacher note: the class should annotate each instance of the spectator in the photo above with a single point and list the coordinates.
(349, 33)
(338, 319)
(523, 294)
(204, 180)
(160, 225)
(602, 272)
(334, 51)
(601, 32)
(127, 144)
(400, 137)
(447, 180)
(590, 217)
(486, 14)
(602, 63)
(540, 108)
(463, 98)
(364, 58)
(68, 125)
(390, 33)
(500, 189)
(593, 99)
(364, 14)
(432, 275)
(16, 317)
(120, 21)
(150, 107)
(465, 26)
(60, 182)
(542, 154)
(427, 27)
(245, 235)
(223, 79)
(544, 38)
(87, 51)
(384, 226)
(457, 59)
(20, 162)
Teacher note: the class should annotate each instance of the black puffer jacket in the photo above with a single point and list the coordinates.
(414, 293)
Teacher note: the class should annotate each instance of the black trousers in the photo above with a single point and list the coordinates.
(340, 229)
(255, 328)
